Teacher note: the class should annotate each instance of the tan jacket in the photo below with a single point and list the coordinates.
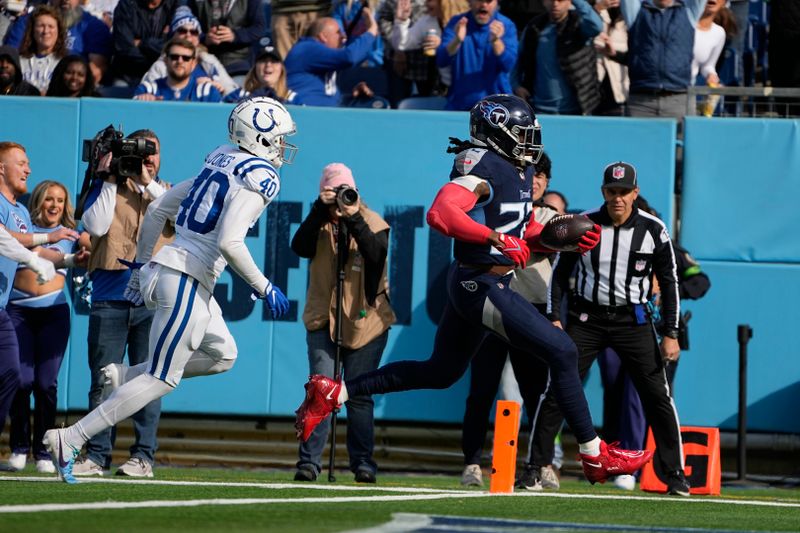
(120, 241)
(361, 322)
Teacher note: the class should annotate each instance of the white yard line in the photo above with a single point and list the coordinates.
(416, 493)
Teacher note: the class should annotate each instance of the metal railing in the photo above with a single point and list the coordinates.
(762, 102)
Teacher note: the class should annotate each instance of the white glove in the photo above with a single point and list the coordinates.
(132, 292)
(45, 270)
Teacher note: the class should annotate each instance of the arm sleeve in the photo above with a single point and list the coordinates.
(694, 10)
(630, 10)
(591, 24)
(448, 214)
(160, 210)
(665, 269)
(155, 189)
(509, 56)
(374, 247)
(100, 211)
(443, 59)
(12, 249)
(304, 242)
(243, 209)
(559, 284)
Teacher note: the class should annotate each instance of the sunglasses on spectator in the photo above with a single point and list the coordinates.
(176, 57)
(188, 30)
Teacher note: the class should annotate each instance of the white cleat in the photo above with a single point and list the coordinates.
(17, 461)
(43, 466)
(62, 454)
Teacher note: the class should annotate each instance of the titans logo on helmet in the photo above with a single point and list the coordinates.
(495, 114)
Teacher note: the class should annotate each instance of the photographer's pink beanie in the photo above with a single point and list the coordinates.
(336, 174)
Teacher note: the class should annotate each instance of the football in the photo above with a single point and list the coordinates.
(564, 232)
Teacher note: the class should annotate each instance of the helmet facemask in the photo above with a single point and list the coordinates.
(260, 126)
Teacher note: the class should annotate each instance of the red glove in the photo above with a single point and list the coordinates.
(589, 240)
(514, 248)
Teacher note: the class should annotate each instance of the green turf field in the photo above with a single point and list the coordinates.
(188, 499)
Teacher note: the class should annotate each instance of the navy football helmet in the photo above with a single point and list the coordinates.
(506, 124)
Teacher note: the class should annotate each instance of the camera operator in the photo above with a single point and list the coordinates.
(366, 312)
(114, 211)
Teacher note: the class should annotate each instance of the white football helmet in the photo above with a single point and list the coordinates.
(260, 125)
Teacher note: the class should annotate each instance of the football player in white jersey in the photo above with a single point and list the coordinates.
(212, 214)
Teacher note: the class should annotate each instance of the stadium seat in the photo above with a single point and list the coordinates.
(374, 76)
(422, 102)
(374, 102)
(116, 91)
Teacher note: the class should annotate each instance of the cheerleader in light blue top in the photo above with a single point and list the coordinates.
(41, 317)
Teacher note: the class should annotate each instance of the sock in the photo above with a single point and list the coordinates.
(343, 397)
(591, 448)
(74, 436)
(123, 402)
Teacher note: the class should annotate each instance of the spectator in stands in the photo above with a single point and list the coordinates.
(41, 318)
(141, 29)
(73, 78)
(556, 200)
(522, 11)
(114, 210)
(486, 367)
(209, 69)
(350, 16)
(415, 40)
(43, 46)
(612, 49)
(231, 30)
(660, 51)
(557, 67)
(291, 20)
(86, 34)
(312, 63)
(709, 39)
(404, 68)
(180, 83)
(266, 78)
(784, 42)
(11, 82)
(366, 312)
(15, 239)
(481, 48)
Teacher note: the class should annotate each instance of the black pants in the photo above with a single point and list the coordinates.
(486, 370)
(636, 345)
(479, 304)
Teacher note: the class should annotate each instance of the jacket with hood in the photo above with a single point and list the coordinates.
(18, 87)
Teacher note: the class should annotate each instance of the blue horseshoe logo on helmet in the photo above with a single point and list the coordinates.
(271, 118)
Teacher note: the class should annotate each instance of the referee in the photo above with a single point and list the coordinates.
(607, 309)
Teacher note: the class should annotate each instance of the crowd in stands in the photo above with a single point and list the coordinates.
(605, 57)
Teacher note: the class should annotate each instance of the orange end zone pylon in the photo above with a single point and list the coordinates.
(701, 457)
(504, 453)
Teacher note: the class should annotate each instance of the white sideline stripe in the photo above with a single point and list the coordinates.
(245, 484)
(48, 507)
(420, 491)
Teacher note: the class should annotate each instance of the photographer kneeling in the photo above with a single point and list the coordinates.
(366, 312)
(114, 211)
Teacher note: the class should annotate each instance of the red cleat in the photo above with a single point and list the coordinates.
(613, 461)
(322, 398)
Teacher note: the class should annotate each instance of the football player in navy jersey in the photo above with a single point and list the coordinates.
(486, 207)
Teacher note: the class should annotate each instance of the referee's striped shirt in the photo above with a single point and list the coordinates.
(618, 271)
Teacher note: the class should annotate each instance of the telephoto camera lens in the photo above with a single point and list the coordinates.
(348, 196)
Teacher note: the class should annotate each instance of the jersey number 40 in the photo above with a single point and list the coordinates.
(204, 199)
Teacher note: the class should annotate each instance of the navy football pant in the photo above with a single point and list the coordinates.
(479, 303)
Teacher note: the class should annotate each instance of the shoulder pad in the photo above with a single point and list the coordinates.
(259, 175)
(468, 160)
